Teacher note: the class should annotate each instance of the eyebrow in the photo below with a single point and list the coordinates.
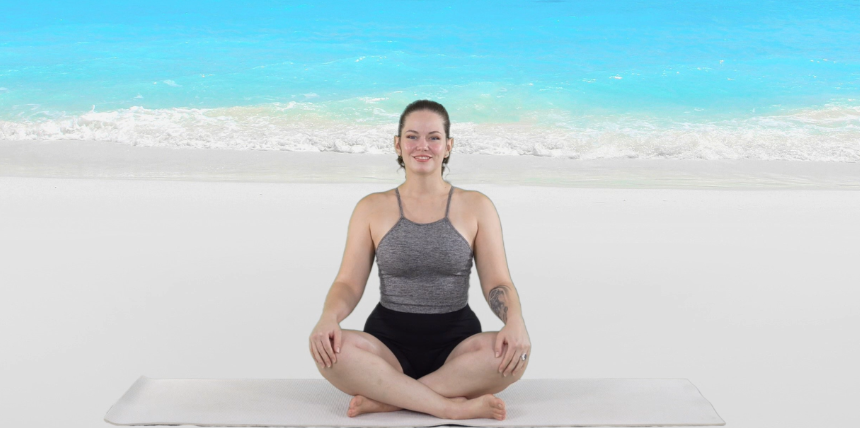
(417, 131)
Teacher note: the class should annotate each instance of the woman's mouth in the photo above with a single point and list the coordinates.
(422, 158)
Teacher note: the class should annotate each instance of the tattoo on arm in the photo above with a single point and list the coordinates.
(499, 302)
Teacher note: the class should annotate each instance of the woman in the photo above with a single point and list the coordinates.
(422, 347)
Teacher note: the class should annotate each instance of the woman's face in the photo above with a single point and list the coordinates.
(423, 135)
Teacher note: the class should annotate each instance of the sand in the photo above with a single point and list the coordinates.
(99, 159)
(750, 294)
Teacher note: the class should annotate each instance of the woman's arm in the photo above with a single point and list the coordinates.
(491, 263)
(505, 303)
(351, 280)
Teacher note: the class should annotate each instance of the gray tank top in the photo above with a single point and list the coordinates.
(424, 268)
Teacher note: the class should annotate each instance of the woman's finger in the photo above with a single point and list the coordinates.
(522, 365)
(502, 361)
(508, 359)
(513, 362)
(516, 363)
(329, 350)
(321, 350)
(316, 355)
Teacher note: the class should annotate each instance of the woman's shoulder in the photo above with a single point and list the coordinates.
(469, 196)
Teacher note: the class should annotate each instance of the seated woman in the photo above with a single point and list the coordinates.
(422, 347)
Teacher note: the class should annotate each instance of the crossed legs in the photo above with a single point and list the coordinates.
(367, 368)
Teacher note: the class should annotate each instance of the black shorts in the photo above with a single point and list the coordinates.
(421, 342)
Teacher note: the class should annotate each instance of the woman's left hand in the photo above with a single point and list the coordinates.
(515, 336)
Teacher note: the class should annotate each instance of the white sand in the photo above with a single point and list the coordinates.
(749, 294)
(99, 159)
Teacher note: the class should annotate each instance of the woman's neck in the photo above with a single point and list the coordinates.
(421, 190)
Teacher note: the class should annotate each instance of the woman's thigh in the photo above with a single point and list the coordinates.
(367, 342)
(476, 342)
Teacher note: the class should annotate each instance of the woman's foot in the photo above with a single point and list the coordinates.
(484, 407)
(361, 404)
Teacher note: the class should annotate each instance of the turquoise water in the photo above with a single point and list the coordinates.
(636, 79)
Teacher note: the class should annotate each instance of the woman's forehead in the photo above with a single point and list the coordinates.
(426, 117)
(423, 127)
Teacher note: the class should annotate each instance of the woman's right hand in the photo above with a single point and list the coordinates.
(325, 333)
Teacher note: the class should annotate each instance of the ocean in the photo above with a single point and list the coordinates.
(649, 79)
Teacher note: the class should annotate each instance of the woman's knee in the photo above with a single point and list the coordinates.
(347, 346)
(519, 367)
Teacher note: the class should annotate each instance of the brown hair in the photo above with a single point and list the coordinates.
(434, 107)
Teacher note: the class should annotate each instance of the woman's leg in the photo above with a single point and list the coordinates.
(470, 371)
(360, 372)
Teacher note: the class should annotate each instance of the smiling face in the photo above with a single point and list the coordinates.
(423, 135)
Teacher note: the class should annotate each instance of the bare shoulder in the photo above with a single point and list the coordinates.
(366, 203)
(371, 203)
(477, 197)
(478, 212)
(379, 208)
(367, 208)
(481, 204)
(467, 204)
(377, 200)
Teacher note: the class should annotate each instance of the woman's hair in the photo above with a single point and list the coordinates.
(434, 107)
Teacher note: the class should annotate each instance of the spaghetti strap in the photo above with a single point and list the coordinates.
(424, 268)
(399, 205)
(447, 207)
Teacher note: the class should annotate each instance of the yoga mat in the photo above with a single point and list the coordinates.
(316, 402)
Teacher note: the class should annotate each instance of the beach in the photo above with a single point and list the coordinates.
(122, 261)
(678, 185)
(112, 160)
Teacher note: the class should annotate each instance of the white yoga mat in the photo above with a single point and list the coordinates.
(316, 402)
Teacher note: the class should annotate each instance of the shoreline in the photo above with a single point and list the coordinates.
(108, 160)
